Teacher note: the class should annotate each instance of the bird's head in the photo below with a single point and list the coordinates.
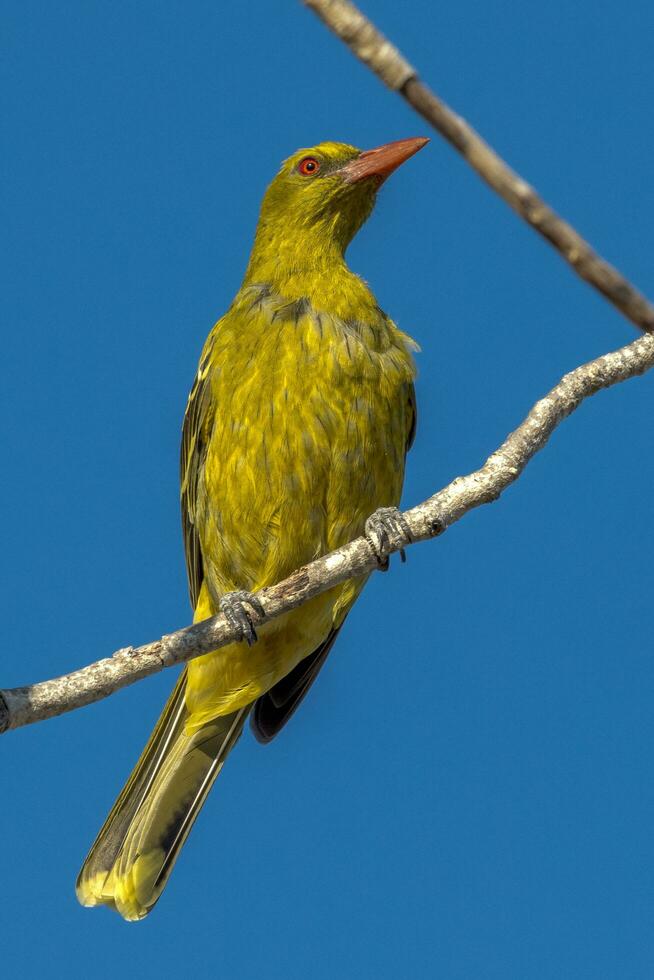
(319, 200)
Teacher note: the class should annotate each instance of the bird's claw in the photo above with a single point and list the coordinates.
(380, 530)
(242, 620)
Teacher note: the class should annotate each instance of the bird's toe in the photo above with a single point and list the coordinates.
(383, 531)
(242, 610)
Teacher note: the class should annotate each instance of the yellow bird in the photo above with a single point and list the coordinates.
(295, 432)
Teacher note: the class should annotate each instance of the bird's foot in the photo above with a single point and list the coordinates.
(381, 529)
(241, 618)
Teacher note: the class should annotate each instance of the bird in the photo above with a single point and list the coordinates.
(293, 443)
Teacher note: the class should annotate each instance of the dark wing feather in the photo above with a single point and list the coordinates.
(273, 710)
(196, 429)
(412, 418)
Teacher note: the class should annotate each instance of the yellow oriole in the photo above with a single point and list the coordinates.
(295, 432)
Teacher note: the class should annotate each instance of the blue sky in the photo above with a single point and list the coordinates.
(469, 790)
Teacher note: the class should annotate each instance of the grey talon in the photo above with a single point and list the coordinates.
(381, 528)
(234, 606)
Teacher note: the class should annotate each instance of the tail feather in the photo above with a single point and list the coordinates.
(130, 862)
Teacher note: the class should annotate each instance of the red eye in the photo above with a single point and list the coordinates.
(308, 167)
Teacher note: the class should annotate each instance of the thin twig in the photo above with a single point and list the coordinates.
(24, 705)
(384, 59)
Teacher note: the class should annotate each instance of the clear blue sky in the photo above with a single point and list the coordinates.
(469, 790)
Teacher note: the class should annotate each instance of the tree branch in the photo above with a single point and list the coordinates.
(25, 705)
(384, 59)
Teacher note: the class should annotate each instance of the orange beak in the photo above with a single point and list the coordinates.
(382, 161)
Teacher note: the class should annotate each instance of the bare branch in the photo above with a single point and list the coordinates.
(25, 705)
(384, 59)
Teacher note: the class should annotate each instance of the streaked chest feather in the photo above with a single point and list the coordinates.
(309, 428)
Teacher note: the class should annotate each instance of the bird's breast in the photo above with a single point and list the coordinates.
(308, 437)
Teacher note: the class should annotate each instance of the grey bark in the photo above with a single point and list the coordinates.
(36, 702)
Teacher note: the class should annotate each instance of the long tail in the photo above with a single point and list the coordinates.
(128, 865)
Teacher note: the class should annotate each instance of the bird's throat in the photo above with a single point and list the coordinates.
(306, 260)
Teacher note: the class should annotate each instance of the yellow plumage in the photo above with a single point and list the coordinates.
(295, 432)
